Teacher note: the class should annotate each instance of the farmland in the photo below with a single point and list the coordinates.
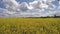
(29, 25)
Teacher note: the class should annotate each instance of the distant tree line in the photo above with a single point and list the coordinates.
(55, 16)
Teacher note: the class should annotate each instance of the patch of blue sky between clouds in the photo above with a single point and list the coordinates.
(27, 1)
(1, 4)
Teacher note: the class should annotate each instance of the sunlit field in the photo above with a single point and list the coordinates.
(29, 25)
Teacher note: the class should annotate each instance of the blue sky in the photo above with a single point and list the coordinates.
(54, 2)
(20, 1)
(24, 1)
(1, 5)
(27, 1)
(36, 8)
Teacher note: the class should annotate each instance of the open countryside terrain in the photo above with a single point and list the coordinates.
(29, 25)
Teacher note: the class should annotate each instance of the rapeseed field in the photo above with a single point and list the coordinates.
(29, 25)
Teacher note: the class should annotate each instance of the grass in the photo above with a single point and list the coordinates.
(29, 25)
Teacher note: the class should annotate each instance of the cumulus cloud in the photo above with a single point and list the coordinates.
(11, 5)
(37, 8)
(23, 6)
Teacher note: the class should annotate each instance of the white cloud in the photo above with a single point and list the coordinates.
(36, 5)
(34, 9)
(23, 6)
(11, 5)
